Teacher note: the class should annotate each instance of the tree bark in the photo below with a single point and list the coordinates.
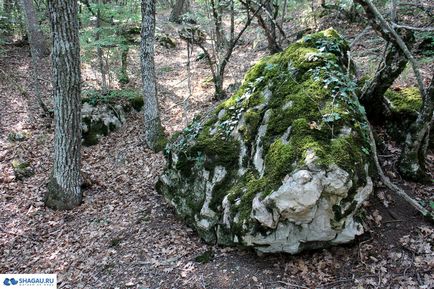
(412, 160)
(123, 73)
(154, 136)
(99, 53)
(181, 7)
(37, 41)
(221, 41)
(390, 68)
(64, 190)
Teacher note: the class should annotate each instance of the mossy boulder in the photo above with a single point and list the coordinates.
(22, 169)
(101, 114)
(165, 40)
(403, 105)
(284, 164)
(97, 121)
(15, 136)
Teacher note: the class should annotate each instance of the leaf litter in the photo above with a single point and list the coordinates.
(125, 235)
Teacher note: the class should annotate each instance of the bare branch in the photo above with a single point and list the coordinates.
(261, 6)
(424, 29)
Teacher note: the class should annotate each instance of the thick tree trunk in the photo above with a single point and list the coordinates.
(37, 41)
(181, 7)
(64, 190)
(154, 136)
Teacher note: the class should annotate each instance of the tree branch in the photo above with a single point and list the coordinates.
(87, 4)
(424, 29)
(383, 27)
(386, 181)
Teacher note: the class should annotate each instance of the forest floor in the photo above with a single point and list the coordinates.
(125, 235)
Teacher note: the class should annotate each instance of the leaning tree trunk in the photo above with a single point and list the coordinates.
(388, 71)
(154, 136)
(64, 190)
(36, 37)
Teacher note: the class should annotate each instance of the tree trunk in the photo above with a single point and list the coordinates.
(221, 41)
(412, 160)
(154, 136)
(38, 47)
(123, 73)
(99, 53)
(36, 37)
(272, 16)
(218, 86)
(270, 34)
(390, 68)
(64, 190)
(181, 7)
(269, 24)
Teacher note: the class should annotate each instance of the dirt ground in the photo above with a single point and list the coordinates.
(126, 236)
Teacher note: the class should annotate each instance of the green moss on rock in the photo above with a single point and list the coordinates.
(405, 100)
(296, 115)
(95, 129)
(22, 169)
(404, 105)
